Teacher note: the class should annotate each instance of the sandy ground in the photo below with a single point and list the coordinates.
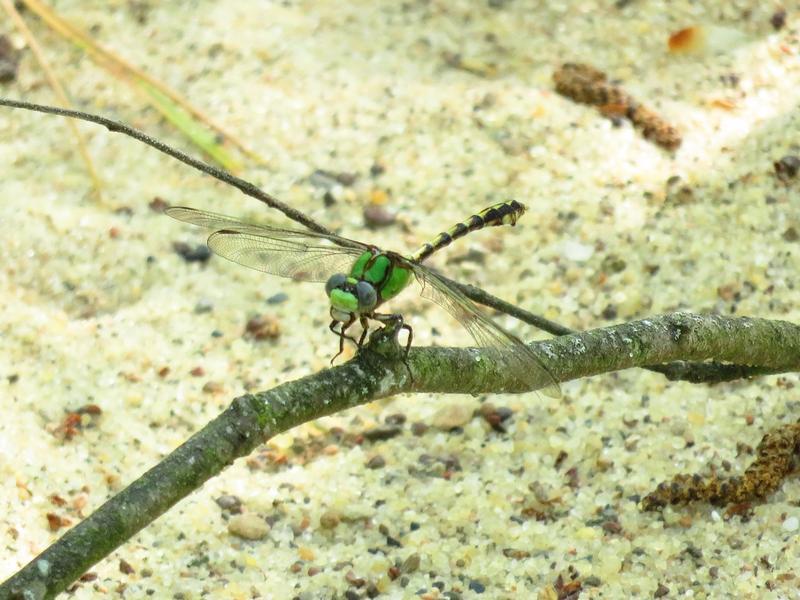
(99, 309)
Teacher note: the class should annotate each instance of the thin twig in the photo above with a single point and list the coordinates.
(254, 418)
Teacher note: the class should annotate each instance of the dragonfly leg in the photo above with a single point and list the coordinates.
(342, 335)
(397, 322)
(407, 327)
(365, 326)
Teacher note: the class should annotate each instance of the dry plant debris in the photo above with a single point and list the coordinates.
(772, 464)
(587, 85)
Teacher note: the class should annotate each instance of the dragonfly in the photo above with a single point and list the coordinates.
(359, 278)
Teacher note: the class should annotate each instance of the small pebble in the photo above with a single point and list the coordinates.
(609, 313)
(329, 519)
(381, 433)
(203, 306)
(376, 215)
(791, 524)
(418, 428)
(158, 205)
(613, 264)
(504, 413)
(395, 419)
(354, 579)
(495, 416)
(376, 462)
(248, 526)
(452, 416)
(410, 564)
(229, 502)
(278, 298)
(9, 60)
(661, 591)
(199, 253)
(125, 567)
(787, 168)
(262, 327)
(476, 586)
(778, 19)
(328, 179)
(213, 387)
(515, 553)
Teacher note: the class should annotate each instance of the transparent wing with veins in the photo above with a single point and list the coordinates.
(296, 254)
(503, 345)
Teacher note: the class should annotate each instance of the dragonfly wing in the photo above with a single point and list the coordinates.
(503, 345)
(218, 222)
(283, 257)
(299, 254)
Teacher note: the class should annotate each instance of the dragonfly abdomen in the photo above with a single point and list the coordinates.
(502, 213)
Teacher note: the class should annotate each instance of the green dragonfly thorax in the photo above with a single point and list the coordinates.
(374, 278)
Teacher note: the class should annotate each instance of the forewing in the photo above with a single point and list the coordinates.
(283, 257)
(298, 254)
(503, 345)
(218, 222)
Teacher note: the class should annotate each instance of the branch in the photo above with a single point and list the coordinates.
(379, 372)
(693, 372)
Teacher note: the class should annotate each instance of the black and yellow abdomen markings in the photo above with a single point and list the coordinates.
(502, 213)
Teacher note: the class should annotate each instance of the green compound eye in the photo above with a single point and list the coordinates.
(335, 282)
(367, 296)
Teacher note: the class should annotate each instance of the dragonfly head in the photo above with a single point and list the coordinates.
(350, 296)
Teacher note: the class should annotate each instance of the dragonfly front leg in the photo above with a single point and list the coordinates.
(365, 330)
(397, 322)
(342, 335)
